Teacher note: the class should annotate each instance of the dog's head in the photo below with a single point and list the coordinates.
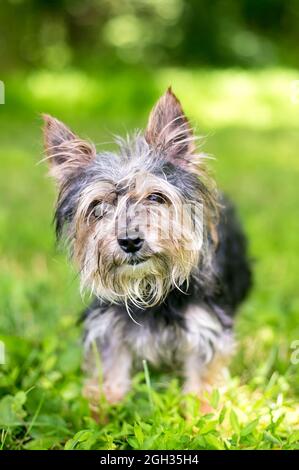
(135, 220)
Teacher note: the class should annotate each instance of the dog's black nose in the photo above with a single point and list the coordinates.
(130, 245)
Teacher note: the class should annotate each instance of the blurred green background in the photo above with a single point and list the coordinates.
(57, 33)
(100, 65)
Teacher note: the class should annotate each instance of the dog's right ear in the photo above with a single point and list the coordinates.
(65, 152)
(169, 130)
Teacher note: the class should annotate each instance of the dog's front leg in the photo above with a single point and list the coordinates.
(117, 362)
(201, 378)
(111, 380)
(108, 362)
(208, 351)
(114, 380)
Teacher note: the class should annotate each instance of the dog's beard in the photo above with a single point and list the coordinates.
(144, 284)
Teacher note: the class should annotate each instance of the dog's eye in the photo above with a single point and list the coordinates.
(156, 197)
(97, 210)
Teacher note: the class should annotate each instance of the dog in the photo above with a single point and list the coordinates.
(158, 246)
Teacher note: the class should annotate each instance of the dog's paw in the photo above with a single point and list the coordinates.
(202, 394)
(92, 392)
(99, 396)
(113, 393)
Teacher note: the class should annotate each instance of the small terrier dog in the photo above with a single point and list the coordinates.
(157, 245)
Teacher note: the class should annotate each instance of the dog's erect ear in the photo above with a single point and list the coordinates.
(65, 152)
(169, 130)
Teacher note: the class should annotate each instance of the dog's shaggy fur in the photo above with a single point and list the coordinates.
(158, 246)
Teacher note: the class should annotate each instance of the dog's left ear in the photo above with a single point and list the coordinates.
(169, 130)
(66, 152)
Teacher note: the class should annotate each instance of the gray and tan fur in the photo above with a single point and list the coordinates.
(164, 290)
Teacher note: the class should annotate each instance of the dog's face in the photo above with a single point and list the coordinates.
(133, 220)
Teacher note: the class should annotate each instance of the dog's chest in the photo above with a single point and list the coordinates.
(200, 334)
(162, 345)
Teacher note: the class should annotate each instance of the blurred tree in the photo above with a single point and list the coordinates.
(55, 33)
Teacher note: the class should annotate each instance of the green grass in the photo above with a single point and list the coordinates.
(251, 126)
